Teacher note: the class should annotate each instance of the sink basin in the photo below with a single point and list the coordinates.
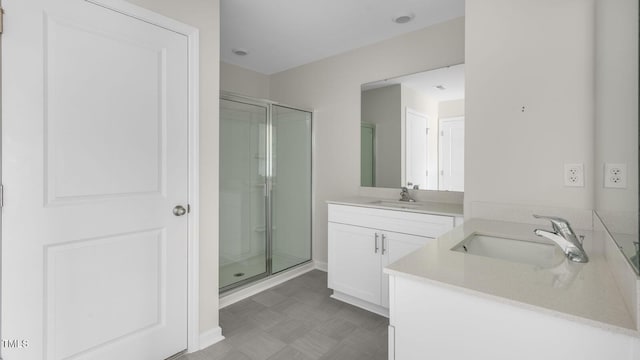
(396, 204)
(520, 251)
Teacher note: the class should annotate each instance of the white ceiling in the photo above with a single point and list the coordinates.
(282, 34)
(451, 78)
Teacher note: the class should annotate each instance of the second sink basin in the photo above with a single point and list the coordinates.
(521, 251)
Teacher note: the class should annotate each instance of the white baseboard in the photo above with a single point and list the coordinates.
(377, 309)
(211, 337)
(237, 295)
(320, 265)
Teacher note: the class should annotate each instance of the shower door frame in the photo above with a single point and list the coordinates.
(268, 104)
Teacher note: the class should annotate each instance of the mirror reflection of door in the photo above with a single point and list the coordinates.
(367, 154)
(401, 109)
(416, 149)
(452, 154)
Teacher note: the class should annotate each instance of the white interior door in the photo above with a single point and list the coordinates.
(94, 159)
(452, 154)
(416, 149)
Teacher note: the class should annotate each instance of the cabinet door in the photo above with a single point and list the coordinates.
(354, 262)
(396, 246)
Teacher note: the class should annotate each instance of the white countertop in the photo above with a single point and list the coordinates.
(580, 292)
(425, 207)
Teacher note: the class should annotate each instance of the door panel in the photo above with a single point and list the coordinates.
(94, 110)
(113, 118)
(243, 176)
(291, 184)
(77, 300)
(452, 154)
(416, 150)
(367, 155)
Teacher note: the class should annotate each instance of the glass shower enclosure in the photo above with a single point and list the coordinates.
(265, 189)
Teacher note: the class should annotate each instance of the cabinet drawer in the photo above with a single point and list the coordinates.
(398, 221)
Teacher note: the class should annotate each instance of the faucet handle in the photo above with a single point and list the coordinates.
(559, 224)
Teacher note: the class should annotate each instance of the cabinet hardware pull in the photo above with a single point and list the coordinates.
(375, 251)
(383, 246)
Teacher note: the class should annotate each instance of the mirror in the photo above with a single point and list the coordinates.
(616, 125)
(412, 131)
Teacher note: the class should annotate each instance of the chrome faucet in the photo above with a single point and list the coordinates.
(404, 195)
(564, 237)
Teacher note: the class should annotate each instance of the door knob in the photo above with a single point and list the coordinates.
(179, 210)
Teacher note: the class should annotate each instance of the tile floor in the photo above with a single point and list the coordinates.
(297, 321)
(254, 265)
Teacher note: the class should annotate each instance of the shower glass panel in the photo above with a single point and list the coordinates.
(291, 187)
(243, 188)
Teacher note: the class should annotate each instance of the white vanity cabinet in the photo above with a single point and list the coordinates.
(363, 240)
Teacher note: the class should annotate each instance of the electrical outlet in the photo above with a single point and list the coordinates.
(615, 176)
(574, 175)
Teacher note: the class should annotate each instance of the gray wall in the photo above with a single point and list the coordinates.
(451, 108)
(382, 107)
(236, 79)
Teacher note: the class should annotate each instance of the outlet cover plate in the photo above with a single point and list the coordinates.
(615, 176)
(574, 175)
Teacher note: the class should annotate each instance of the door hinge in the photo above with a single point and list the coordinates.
(1, 20)
(188, 208)
(1, 199)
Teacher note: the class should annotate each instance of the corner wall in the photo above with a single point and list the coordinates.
(529, 101)
(239, 80)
